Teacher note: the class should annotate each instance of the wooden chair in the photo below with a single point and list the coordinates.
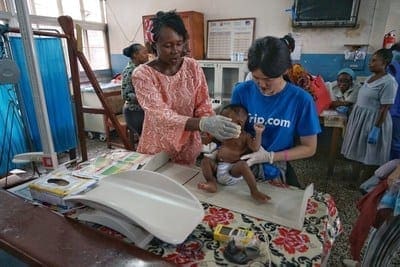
(116, 103)
(108, 127)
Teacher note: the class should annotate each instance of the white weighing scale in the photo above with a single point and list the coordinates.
(141, 204)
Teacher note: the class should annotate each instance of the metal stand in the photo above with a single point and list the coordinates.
(50, 156)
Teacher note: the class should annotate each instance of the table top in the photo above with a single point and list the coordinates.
(332, 118)
(41, 237)
(310, 246)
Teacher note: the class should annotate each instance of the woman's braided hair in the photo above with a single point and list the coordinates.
(168, 19)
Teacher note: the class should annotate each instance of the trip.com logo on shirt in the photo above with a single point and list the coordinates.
(270, 121)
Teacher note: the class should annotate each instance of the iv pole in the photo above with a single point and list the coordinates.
(49, 158)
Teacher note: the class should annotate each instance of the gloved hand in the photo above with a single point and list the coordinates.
(259, 156)
(220, 127)
(342, 109)
(373, 135)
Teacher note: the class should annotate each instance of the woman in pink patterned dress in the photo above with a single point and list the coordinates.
(173, 92)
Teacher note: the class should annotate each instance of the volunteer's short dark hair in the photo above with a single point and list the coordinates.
(385, 54)
(270, 55)
(289, 41)
(169, 19)
(132, 49)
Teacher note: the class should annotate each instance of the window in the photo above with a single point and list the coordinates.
(89, 14)
(70, 8)
(44, 8)
(3, 6)
(93, 11)
(5, 13)
(95, 50)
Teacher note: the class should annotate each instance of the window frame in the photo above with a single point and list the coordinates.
(52, 22)
(6, 14)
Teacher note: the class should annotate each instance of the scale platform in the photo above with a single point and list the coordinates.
(141, 204)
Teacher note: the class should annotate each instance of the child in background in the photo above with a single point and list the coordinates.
(368, 134)
(344, 90)
(229, 168)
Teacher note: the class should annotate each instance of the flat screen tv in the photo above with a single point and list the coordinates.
(325, 13)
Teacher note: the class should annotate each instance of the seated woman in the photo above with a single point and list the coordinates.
(344, 90)
(132, 111)
(287, 111)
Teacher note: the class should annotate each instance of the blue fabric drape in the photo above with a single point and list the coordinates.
(12, 138)
(56, 90)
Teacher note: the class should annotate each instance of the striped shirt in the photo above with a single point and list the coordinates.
(384, 245)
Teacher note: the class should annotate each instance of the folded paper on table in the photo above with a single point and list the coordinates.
(61, 182)
(287, 206)
(120, 161)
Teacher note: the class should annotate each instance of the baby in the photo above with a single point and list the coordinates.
(229, 168)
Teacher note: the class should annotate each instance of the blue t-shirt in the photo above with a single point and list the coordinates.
(290, 113)
(394, 69)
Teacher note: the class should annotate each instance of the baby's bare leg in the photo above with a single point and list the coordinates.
(209, 168)
(241, 168)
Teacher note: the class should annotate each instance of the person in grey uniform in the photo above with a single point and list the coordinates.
(368, 136)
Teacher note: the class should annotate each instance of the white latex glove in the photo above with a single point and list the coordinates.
(260, 156)
(220, 127)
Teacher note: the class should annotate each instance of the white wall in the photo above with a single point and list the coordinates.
(125, 17)
(393, 21)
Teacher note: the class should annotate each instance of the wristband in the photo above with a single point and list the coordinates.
(285, 155)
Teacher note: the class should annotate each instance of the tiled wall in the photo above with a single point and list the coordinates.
(326, 65)
(118, 63)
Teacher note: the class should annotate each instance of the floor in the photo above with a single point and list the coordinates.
(312, 170)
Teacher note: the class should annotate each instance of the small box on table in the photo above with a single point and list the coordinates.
(52, 190)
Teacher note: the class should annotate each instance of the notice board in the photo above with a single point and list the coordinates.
(227, 36)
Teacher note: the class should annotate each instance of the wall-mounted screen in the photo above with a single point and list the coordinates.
(325, 13)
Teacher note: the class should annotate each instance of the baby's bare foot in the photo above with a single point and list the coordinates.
(260, 197)
(209, 187)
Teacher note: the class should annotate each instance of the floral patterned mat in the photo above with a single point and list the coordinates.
(286, 247)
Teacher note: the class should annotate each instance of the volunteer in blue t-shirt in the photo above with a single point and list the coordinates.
(287, 111)
(394, 69)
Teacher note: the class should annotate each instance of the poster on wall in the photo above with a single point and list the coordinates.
(229, 37)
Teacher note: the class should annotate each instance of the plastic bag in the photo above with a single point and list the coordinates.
(321, 95)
